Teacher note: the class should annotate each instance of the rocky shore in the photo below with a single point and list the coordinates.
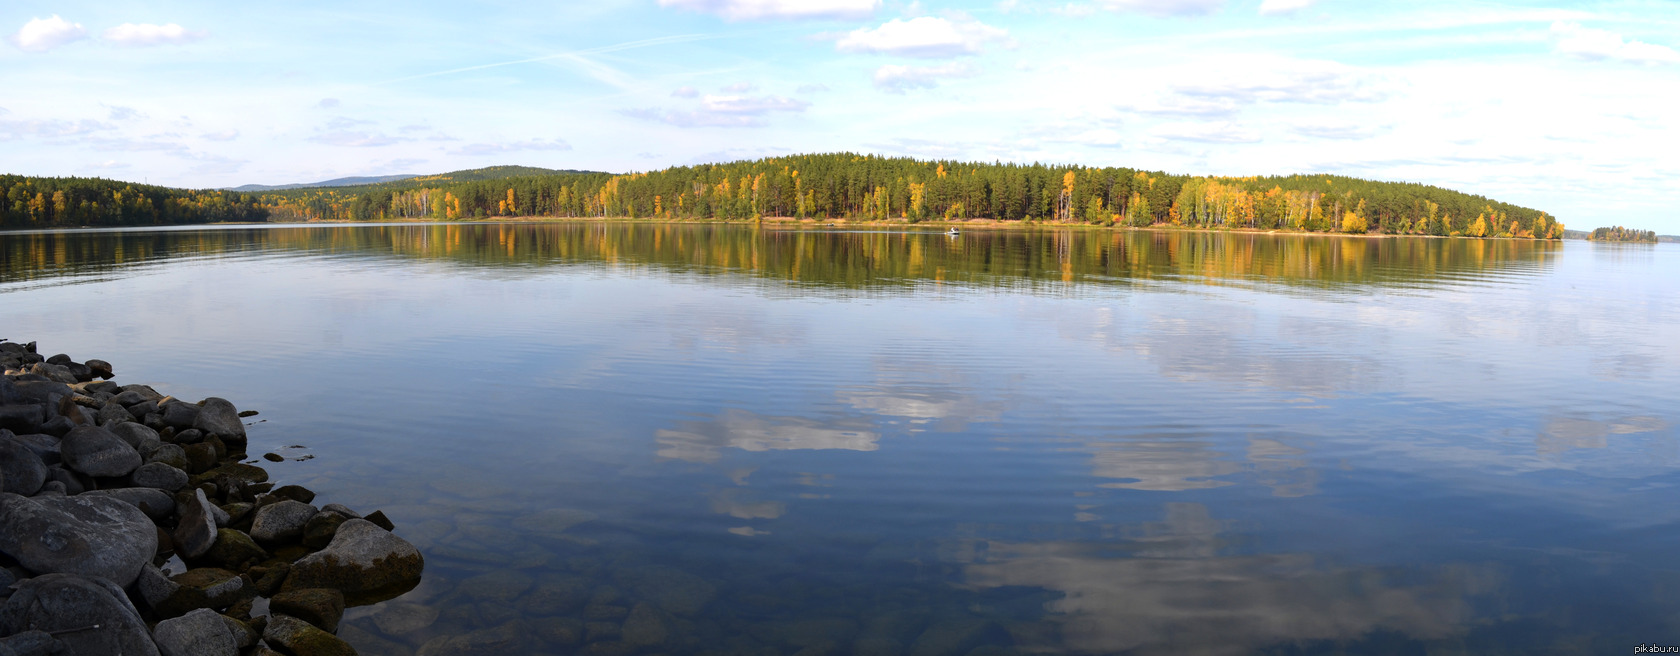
(132, 523)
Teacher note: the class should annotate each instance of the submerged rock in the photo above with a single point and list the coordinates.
(322, 607)
(295, 637)
(83, 535)
(362, 559)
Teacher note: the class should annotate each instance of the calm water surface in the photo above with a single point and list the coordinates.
(780, 442)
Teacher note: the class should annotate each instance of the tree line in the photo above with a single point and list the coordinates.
(31, 202)
(867, 187)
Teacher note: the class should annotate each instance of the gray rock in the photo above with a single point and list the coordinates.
(200, 587)
(113, 413)
(361, 559)
(156, 503)
(72, 482)
(21, 469)
(508, 638)
(71, 603)
(57, 426)
(323, 607)
(97, 452)
(41, 391)
(556, 594)
(179, 415)
(130, 397)
(22, 418)
(82, 535)
(140, 410)
(30, 643)
(8, 392)
(101, 387)
(195, 533)
(199, 633)
(54, 372)
(234, 550)
(218, 417)
(170, 454)
(160, 476)
(45, 446)
(144, 440)
(282, 521)
(145, 391)
(341, 510)
(53, 489)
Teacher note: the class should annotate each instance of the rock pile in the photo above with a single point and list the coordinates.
(102, 485)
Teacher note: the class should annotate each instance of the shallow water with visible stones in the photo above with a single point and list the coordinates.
(686, 439)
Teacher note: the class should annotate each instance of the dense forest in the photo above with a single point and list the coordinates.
(862, 187)
(30, 202)
(1619, 233)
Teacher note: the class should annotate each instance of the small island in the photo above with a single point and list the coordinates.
(1618, 233)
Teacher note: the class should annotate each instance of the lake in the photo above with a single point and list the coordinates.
(711, 439)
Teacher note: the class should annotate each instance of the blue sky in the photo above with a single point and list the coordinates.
(1567, 107)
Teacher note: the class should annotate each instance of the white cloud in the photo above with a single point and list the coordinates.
(1220, 133)
(926, 36)
(686, 92)
(43, 34)
(728, 111)
(1165, 7)
(779, 9)
(224, 135)
(740, 87)
(812, 88)
(1273, 7)
(141, 35)
(327, 103)
(481, 149)
(109, 164)
(1590, 44)
(894, 78)
(120, 113)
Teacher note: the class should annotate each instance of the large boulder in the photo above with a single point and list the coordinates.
(234, 550)
(42, 391)
(113, 413)
(157, 504)
(98, 452)
(201, 587)
(21, 469)
(179, 415)
(281, 522)
(89, 615)
(295, 637)
(30, 643)
(363, 561)
(83, 535)
(218, 417)
(143, 439)
(23, 418)
(202, 632)
(45, 446)
(159, 476)
(195, 532)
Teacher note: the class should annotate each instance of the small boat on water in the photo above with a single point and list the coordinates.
(952, 232)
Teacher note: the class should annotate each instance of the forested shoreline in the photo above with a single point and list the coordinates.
(1618, 233)
(840, 186)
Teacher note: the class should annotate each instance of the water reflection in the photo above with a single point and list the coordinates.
(849, 260)
(704, 441)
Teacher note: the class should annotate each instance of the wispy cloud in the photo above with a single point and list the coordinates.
(1219, 133)
(1275, 7)
(141, 35)
(779, 9)
(1592, 44)
(1165, 7)
(727, 111)
(483, 149)
(43, 34)
(896, 78)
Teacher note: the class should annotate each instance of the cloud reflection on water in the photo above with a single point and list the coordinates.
(703, 441)
(1172, 593)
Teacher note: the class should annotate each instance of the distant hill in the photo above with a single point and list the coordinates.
(335, 182)
(469, 175)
